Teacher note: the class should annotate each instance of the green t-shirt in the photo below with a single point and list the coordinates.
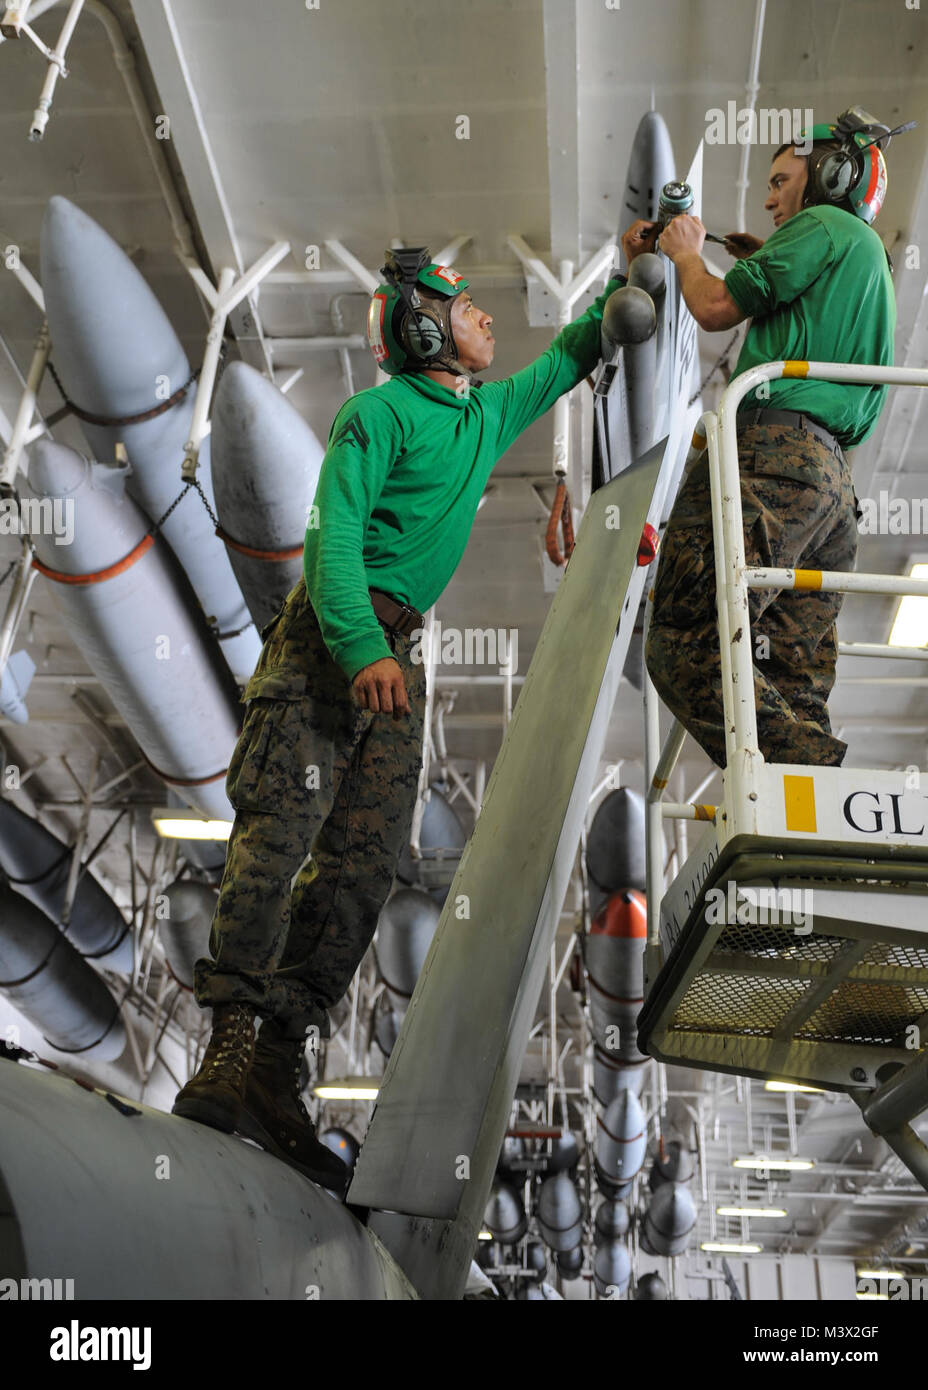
(405, 468)
(819, 290)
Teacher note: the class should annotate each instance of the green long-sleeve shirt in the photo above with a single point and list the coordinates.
(404, 470)
(819, 290)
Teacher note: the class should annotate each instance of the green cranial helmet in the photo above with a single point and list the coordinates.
(409, 320)
(846, 164)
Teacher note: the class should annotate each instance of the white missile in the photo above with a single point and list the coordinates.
(131, 612)
(38, 864)
(615, 844)
(611, 1221)
(184, 930)
(404, 934)
(621, 1143)
(266, 463)
(559, 1212)
(45, 979)
(117, 355)
(650, 166)
(612, 1269)
(669, 1221)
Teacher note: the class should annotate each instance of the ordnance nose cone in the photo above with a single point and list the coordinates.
(242, 387)
(55, 470)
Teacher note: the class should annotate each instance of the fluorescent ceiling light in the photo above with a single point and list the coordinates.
(751, 1211)
(180, 824)
(882, 1297)
(791, 1086)
(485, 1235)
(910, 627)
(729, 1248)
(348, 1088)
(786, 1164)
(881, 1274)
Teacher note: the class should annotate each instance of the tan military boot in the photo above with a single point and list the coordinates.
(274, 1116)
(214, 1096)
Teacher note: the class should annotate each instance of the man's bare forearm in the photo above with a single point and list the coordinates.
(706, 296)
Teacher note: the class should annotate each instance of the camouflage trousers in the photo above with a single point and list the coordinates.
(312, 776)
(799, 512)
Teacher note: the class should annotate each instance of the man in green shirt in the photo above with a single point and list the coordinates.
(329, 755)
(819, 288)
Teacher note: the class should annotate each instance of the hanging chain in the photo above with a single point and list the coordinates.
(720, 362)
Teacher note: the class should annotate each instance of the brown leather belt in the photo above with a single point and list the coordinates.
(795, 419)
(398, 617)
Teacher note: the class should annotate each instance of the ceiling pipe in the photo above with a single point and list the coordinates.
(752, 89)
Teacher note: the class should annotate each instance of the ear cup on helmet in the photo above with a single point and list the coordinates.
(422, 335)
(835, 174)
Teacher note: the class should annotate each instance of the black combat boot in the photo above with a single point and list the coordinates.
(214, 1096)
(274, 1116)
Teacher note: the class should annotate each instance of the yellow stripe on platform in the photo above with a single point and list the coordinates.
(799, 796)
(807, 579)
(795, 369)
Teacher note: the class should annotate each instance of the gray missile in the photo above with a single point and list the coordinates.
(650, 166)
(569, 1262)
(615, 844)
(37, 864)
(14, 686)
(612, 1269)
(505, 1214)
(47, 981)
(675, 1166)
(343, 1145)
(611, 1075)
(559, 1212)
(117, 355)
(668, 1221)
(536, 1258)
(511, 1155)
(611, 1221)
(621, 1143)
(565, 1153)
(613, 952)
(440, 830)
(184, 926)
(650, 1288)
(266, 463)
(137, 624)
(82, 1198)
(404, 934)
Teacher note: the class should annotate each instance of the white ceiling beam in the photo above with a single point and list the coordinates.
(560, 25)
(177, 91)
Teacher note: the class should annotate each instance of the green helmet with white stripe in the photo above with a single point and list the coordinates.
(409, 319)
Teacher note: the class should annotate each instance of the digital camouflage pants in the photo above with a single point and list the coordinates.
(320, 776)
(799, 512)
